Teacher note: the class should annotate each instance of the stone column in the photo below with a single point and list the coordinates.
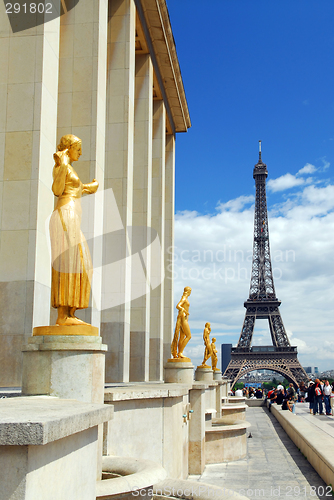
(115, 326)
(197, 429)
(169, 244)
(158, 223)
(82, 112)
(28, 119)
(219, 397)
(141, 219)
(225, 387)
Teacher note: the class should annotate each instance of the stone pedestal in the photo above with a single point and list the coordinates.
(204, 374)
(67, 366)
(217, 375)
(179, 371)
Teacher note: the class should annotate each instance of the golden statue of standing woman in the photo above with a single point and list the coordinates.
(207, 350)
(71, 261)
(182, 333)
(214, 357)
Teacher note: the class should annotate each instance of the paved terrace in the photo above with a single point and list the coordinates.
(274, 466)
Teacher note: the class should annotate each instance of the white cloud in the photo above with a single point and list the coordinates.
(235, 205)
(213, 256)
(286, 181)
(325, 165)
(307, 169)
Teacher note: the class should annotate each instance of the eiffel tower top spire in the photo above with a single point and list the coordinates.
(260, 167)
(262, 301)
(262, 281)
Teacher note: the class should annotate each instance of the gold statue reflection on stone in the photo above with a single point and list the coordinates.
(182, 333)
(214, 357)
(71, 261)
(207, 350)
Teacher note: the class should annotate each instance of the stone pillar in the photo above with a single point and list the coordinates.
(115, 326)
(158, 223)
(141, 218)
(225, 387)
(82, 112)
(28, 119)
(169, 245)
(197, 429)
(219, 397)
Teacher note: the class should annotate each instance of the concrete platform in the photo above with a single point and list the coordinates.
(49, 448)
(40, 420)
(255, 402)
(272, 467)
(313, 435)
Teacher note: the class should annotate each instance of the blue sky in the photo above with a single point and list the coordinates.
(252, 70)
(257, 70)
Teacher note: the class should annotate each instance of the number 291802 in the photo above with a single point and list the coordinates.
(29, 8)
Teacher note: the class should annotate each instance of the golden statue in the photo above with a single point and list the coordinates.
(71, 261)
(214, 357)
(182, 333)
(207, 351)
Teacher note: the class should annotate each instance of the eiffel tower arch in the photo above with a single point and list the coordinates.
(262, 303)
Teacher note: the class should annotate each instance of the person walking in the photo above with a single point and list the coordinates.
(318, 395)
(327, 390)
(292, 392)
(310, 395)
(302, 390)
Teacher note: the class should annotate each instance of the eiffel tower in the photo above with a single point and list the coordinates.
(262, 303)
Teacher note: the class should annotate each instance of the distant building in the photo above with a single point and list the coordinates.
(312, 370)
(226, 356)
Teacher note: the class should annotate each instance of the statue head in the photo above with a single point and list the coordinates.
(207, 325)
(72, 144)
(187, 291)
(213, 339)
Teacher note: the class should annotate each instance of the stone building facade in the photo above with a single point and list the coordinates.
(106, 71)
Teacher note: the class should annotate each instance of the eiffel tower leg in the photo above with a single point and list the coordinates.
(234, 370)
(277, 329)
(272, 331)
(285, 363)
(246, 335)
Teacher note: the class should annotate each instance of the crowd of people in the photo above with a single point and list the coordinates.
(318, 393)
(249, 392)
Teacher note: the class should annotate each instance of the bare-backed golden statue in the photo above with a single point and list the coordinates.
(207, 350)
(182, 333)
(71, 261)
(214, 357)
